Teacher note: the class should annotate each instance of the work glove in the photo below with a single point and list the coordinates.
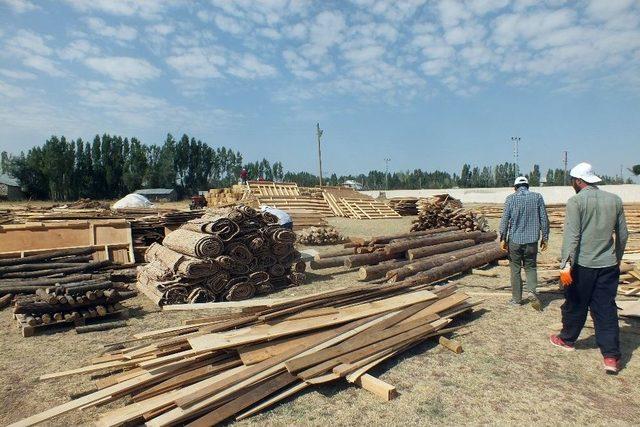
(543, 245)
(503, 245)
(565, 276)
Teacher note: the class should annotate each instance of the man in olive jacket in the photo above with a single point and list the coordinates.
(591, 265)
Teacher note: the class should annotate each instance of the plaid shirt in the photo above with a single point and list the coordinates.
(524, 218)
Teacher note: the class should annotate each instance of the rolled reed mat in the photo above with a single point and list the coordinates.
(248, 211)
(279, 282)
(239, 252)
(181, 265)
(277, 270)
(256, 244)
(199, 295)
(290, 258)
(241, 291)
(300, 267)
(224, 228)
(218, 281)
(269, 218)
(239, 268)
(284, 235)
(176, 295)
(297, 278)
(281, 250)
(193, 243)
(225, 261)
(266, 260)
(157, 271)
(258, 277)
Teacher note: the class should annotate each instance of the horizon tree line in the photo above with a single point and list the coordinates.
(111, 166)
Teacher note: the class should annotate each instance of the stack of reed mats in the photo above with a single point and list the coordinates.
(236, 365)
(229, 254)
(63, 287)
(444, 211)
(417, 257)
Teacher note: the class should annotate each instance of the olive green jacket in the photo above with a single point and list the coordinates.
(592, 220)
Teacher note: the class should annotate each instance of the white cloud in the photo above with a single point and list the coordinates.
(325, 31)
(369, 53)
(250, 67)
(17, 74)
(78, 49)
(228, 24)
(10, 91)
(33, 51)
(20, 6)
(607, 9)
(270, 33)
(122, 68)
(196, 62)
(147, 9)
(121, 32)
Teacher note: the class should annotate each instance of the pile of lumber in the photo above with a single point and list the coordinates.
(405, 206)
(221, 197)
(320, 236)
(229, 254)
(435, 212)
(305, 210)
(418, 257)
(349, 203)
(236, 365)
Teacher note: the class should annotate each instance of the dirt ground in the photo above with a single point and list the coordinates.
(508, 373)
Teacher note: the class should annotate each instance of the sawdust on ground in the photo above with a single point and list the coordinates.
(508, 373)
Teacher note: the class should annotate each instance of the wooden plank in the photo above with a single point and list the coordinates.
(273, 400)
(378, 387)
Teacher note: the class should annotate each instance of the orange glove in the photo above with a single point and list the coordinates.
(503, 245)
(565, 276)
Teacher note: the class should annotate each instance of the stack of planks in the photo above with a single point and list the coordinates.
(437, 212)
(421, 257)
(234, 366)
(320, 236)
(405, 206)
(349, 203)
(228, 254)
(305, 210)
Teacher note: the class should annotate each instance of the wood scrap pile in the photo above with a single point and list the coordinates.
(320, 236)
(441, 211)
(229, 254)
(349, 203)
(405, 206)
(233, 366)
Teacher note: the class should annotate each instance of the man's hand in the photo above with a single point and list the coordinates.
(565, 275)
(503, 245)
(543, 245)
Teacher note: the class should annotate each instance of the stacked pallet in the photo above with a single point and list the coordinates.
(220, 197)
(440, 211)
(233, 366)
(305, 210)
(348, 203)
(416, 257)
(405, 206)
(228, 254)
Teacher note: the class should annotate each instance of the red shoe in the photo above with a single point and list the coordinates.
(611, 365)
(559, 342)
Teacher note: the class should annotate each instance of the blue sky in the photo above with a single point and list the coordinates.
(429, 84)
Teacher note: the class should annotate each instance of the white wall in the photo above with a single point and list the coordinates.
(630, 193)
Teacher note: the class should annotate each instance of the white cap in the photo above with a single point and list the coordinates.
(584, 171)
(521, 180)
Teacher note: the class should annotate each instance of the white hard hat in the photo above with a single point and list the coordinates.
(584, 171)
(521, 180)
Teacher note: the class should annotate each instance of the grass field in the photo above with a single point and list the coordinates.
(508, 373)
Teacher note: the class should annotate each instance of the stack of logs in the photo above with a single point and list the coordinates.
(228, 254)
(405, 206)
(416, 257)
(232, 366)
(320, 236)
(435, 213)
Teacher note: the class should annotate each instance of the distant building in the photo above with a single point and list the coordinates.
(352, 184)
(159, 194)
(9, 188)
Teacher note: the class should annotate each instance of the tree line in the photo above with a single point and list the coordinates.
(111, 166)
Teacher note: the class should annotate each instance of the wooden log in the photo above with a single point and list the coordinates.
(93, 285)
(58, 316)
(484, 273)
(24, 307)
(45, 296)
(46, 256)
(369, 259)
(90, 266)
(101, 310)
(451, 236)
(388, 238)
(427, 251)
(101, 326)
(5, 300)
(328, 262)
(36, 267)
(372, 272)
(46, 318)
(334, 253)
(449, 344)
(74, 278)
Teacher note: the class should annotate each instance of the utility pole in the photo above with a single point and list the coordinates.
(319, 133)
(621, 177)
(386, 174)
(564, 160)
(516, 141)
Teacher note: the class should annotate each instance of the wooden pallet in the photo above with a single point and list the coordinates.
(29, 331)
(270, 188)
(368, 209)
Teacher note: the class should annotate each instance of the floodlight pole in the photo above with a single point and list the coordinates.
(386, 174)
(516, 141)
(319, 133)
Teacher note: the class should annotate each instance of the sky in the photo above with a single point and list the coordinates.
(426, 84)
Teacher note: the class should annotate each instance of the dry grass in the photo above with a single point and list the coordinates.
(508, 373)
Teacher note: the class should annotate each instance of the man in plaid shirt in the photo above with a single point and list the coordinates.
(523, 222)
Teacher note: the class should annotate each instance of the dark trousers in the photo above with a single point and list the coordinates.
(595, 289)
(526, 256)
